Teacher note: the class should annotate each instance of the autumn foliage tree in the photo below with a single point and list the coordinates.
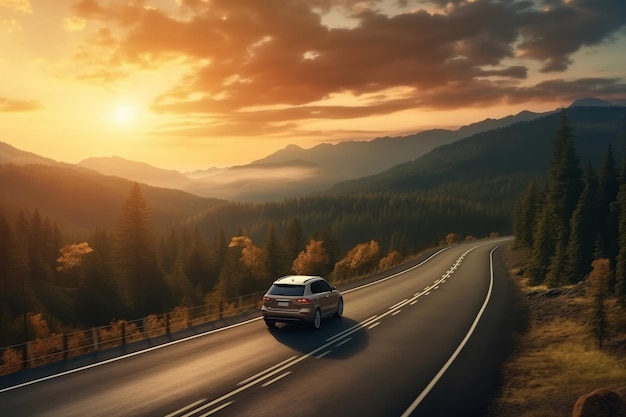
(361, 258)
(313, 260)
(243, 271)
(598, 288)
(71, 260)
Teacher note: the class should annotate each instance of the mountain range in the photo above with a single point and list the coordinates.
(294, 171)
(492, 155)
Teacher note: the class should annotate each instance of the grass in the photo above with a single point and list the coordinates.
(557, 359)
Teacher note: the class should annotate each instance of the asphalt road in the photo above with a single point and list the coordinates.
(424, 342)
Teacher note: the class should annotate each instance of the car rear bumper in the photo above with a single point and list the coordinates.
(304, 314)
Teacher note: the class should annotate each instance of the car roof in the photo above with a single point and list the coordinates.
(296, 279)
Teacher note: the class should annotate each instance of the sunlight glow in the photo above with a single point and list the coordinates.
(124, 114)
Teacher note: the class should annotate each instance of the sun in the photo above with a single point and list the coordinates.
(123, 114)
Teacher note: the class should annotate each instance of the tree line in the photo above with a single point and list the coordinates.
(132, 271)
(573, 227)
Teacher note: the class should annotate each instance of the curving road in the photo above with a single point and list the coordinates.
(427, 341)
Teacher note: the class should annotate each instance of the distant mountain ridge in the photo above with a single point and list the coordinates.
(293, 171)
(137, 171)
(81, 200)
(354, 159)
(497, 165)
(12, 155)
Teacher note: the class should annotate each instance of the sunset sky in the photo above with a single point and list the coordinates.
(188, 84)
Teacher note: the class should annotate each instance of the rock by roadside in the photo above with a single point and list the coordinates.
(600, 403)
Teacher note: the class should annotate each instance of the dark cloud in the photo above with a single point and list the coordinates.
(267, 62)
(553, 34)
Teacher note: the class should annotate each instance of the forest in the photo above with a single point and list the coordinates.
(572, 227)
(229, 250)
(136, 266)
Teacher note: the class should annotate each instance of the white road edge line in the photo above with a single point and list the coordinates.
(270, 369)
(343, 342)
(129, 355)
(445, 367)
(174, 342)
(321, 355)
(271, 381)
(182, 410)
(215, 410)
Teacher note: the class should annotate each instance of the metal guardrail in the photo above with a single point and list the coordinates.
(119, 333)
(122, 332)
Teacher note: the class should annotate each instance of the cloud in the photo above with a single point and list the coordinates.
(8, 105)
(74, 24)
(278, 57)
(10, 26)
(552, 35)
(17, 5)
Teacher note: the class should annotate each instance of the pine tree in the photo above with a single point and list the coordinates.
(598, 290)
(13, 264)
(620, 268)
(608, 187)
(295, 241)
(562, 193)
(555, 276)
(273, 255)
(142, 282)
(527, 210)
(583, 225)
(197, 265)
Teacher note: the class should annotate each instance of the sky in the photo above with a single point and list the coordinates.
(192, 84)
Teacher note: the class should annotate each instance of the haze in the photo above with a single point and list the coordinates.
(187, 84)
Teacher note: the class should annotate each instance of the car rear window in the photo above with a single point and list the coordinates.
(287, 289)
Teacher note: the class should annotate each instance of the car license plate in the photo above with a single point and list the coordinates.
(283, 303)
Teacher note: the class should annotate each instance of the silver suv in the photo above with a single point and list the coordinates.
(301, 298)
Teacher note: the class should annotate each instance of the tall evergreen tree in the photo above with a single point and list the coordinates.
(273, 255)
(620, 268)
(198, 265)
(526, 213)
(295, 241)
(562, 193)
(558, 267)
(217, 255)
(608, 187)
(13, 265)
(142, 282)
(584, 225)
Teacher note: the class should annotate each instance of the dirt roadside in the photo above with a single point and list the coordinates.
(557, 359)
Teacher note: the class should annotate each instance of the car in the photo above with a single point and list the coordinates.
(301, 298)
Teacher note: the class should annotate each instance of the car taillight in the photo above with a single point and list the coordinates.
(266, 299)
(303, 301)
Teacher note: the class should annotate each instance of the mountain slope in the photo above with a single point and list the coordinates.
(81, 200)
(498, 164)
(136, 171)
(296, 172)
(354, 159)
(10, 154)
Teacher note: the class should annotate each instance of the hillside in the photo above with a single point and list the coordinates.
(497, 165)
(295, 171)
(354, 159)
(80, 200)
(136, 171)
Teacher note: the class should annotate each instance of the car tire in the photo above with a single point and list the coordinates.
(317, 320)
(339, 311)
(270, 323)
